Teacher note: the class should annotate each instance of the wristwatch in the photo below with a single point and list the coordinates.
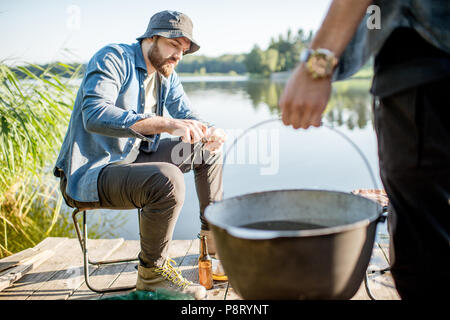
(320, 63)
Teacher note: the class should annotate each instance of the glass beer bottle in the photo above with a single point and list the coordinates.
(205, 265)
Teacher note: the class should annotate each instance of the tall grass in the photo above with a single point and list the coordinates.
(34, 113)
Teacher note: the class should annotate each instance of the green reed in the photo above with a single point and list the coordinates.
(34, 113)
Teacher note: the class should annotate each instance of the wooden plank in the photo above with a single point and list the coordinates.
(177, 251)
(389, 291)
(189, 270)
(361, 294)
(70, 276)
(19, 257)
(9, 276)
(32, 281)
(381, 285)
(125, 278)
(232, 295)
(63, 267)
(188, 266)
(104, 276)
(16, 259)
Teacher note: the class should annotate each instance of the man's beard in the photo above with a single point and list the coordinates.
(161, 65)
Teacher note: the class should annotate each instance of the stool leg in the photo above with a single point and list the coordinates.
(86, 262)
(77, 228)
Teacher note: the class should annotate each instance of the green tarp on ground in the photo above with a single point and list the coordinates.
(158, 294)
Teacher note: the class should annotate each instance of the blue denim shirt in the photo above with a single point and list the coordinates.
(111, 98)
(430, 18)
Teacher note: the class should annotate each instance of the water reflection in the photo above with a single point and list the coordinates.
(350, 102)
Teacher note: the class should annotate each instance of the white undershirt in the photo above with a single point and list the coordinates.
(150, 106)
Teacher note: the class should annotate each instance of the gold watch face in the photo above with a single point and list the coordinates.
(319, 65)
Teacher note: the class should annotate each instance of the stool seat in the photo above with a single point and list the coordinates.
(86, 261)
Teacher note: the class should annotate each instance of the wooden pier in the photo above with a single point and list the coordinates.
(53, 270)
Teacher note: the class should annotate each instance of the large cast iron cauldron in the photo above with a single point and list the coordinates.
(326, 262)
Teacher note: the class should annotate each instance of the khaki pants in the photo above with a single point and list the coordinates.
(154, 183)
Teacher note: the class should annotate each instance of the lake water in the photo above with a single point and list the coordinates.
(272, 156)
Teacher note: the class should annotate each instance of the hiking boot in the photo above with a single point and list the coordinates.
(167, 277)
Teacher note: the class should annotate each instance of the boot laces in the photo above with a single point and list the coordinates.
(172, 274)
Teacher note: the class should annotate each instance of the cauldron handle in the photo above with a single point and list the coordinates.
(363, 157)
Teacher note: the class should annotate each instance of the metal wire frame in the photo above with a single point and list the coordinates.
(86, 261)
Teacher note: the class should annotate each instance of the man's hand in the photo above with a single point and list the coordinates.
(304, 99)
(214, 139)
(190, 131)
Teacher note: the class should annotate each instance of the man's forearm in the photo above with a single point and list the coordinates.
(340, 24)
(151, 125)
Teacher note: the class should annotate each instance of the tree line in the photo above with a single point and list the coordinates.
(282, 54)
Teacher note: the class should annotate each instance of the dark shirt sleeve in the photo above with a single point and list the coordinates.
(407, 60)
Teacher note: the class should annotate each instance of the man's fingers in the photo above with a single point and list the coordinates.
(299, 113)
(216, 134)
(186, 135)
(304, 121)
(213, 146)
(316, 121)
(195, 132)
(203, 127)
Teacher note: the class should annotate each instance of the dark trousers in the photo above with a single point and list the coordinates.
(154, 183)
(413, 130)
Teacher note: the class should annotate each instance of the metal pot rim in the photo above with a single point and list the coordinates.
(254, 234)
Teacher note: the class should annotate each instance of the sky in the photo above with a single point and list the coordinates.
(72, 31)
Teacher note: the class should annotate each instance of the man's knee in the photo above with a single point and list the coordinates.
(167, 185)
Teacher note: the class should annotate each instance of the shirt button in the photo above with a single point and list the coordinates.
(123, 126)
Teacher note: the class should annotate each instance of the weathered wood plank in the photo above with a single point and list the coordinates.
(126, 277)
(177, 251)
(381, 285)
(231, 294)
(9, 276)
(188, 266)
(17, 258)
(104, 276)
(388, 290)
(70, 276)
(32, 281)
(63, 268)
(61, 275)
(189, 270)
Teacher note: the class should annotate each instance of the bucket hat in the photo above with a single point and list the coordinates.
(171, 24)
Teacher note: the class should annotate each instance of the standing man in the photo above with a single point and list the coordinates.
(113, 157)
(411, 88)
